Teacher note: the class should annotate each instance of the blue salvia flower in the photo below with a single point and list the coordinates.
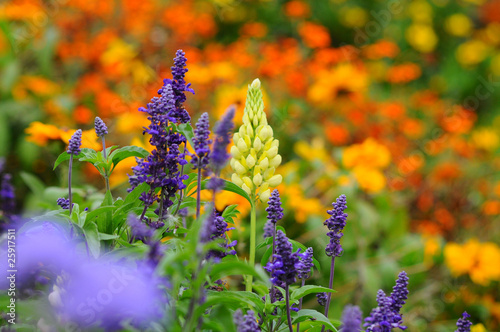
(274, 210)
(201, 141)
(100, 127)
(268, 229)
(74, 143)
(400, 292)
(336, 224)
(215, 227)
(351, 319)
(463, 324)
(246, 323)
(222, 131)
(139, 230)
(383, 318)
(7, 195)
(282, 269)
(179, 86)
(305, 265)
(322, 298)
(63, 203)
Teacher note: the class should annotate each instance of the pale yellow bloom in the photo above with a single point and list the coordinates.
(458, 25)
(422, 37)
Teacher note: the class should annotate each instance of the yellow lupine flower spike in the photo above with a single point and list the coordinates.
(255, 151)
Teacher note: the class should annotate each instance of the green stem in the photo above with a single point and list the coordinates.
(69, 184)
(198, 194)
(253, 230)
(106, 175)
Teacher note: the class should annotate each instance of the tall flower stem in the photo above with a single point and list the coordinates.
(181, 193)
(253, 231)
(300, 303)
(69, 184)
(330, 285)
(106, 175)
(198, 192)
(288, 317)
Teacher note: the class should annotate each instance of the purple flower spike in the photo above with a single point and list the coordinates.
(63, 203)
(274, 210)
(179, 86)
(305, 265)
(222, 131)
(351, 319)
(336, 224)
(100, 127)
(139, 230)
(246, 323)
(7, 195)
(201, 158)
(463, 323)
(322, 298)
(75, 142)
(268, 229)
(400, 292)
(215, 228)
(383, 318)
(283, 270)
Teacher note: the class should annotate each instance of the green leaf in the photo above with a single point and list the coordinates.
(229, 186)
(134, 195)
(65, 156)
(306, 290)
(102, 209)
(187, 130)
(92, 237)
(104, 237)
(232, 299)
(232, 268)
(268, 241)
(34, 183)
(317, 317)
(230, 213)
(126, 152)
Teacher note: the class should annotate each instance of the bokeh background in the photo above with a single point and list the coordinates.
(394, 103)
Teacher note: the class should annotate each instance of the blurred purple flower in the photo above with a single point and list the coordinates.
(201, 141)
(351, 319)
(222, 138)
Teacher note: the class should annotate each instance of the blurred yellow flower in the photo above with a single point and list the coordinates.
(495, 65)
(458, 25)
(422, 37)
(485, 138)
(478, 328)
(37, 85)
(420, 11)
(370, 154)
(314, 151)
(346, 77)
(120, 172)
(301, 206)
(89, 138)
(432, 247)
(131, 122)
(472, 52)
(353, 17)
(40, 133)
(474, 258)
(370, 180)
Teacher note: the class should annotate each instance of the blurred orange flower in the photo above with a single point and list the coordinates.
(314, 35)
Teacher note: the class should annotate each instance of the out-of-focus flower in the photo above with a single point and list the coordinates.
(303, 207)
(403, 73)
(254, 29)
(314, 35)
(322, 298)
(422, 37)
(337, 134)
(223, 130)
(432, 247)
(459, 121)
(463, 323)
(201, 158)
(246, 323)
(485, 138)
(353, 17)
(474, 258)
(352, 318)
(40, 133)
(381, 49)
(305, 264)
(89, 139)
(310, 152)
(472, 52)
(383, 318)
(458, 25)
(370, 179)
(420, 11)
(478, 328)
(296, 9)
(370, 153)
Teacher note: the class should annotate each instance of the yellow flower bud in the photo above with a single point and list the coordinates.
(236, 138)
(257, 144)
(239, 168)
(246, 118)
(247, 190)
(257, 180)
(257, 170)
(275, 180)
(255, 121)
(242, 146)
(248, 182)
(250, 161)
(276, 161)
(255, 84)
(273, 151)
(242, 132)
(236, 180)
(269, 173)
(249, 130)
(275, 143)
(264, 186)
(265, 133)
(264, 163)
(235, 152)
(264, 196)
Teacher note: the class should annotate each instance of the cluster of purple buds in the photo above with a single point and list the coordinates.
(400, 292)
(179, 86)
(283, 268)
(222, 138)
(336, 224)
(322, 298)
(351, 319)
(274, 213)
(215, 228)
(74, 143)
(463, 323)
(246, 323)
(100, 127)
(161, 168)
(305, 264)
(7, 196)
(144, 232)
(63, 203)
(201, 157)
